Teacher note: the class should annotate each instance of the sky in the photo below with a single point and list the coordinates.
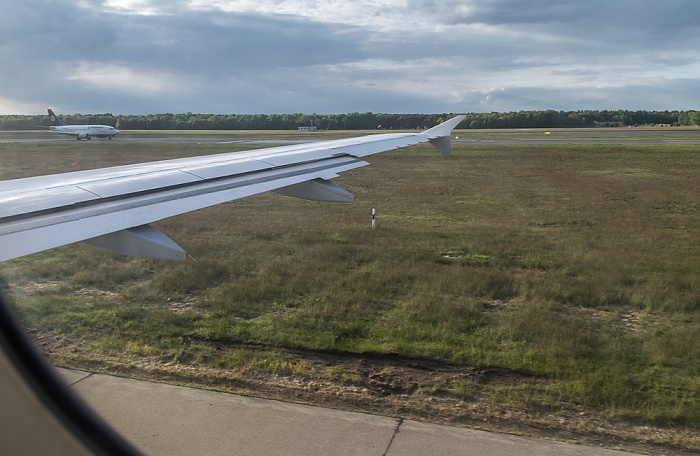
(332, 56)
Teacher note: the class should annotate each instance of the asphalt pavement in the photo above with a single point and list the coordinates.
(608, 136)
(163, 419)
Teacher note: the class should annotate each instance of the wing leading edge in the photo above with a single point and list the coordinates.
(111, 208)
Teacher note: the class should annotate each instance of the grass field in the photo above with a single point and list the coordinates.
(573, 265)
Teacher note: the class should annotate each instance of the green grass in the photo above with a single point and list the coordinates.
(575, 264)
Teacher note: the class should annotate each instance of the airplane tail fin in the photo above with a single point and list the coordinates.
(440, 134)
(53, 119)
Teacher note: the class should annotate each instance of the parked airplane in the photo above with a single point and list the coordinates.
(111, 208)
(81, 131)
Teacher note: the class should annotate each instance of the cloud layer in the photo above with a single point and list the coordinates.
(151, 56)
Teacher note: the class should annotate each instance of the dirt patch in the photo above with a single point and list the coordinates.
(627, 319)
(394, 386)
(35, 287)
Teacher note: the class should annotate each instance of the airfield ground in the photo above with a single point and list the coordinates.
(540, 283)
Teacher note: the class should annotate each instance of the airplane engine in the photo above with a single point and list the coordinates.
(82, 136)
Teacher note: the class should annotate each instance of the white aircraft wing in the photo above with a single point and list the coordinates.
(112, 207)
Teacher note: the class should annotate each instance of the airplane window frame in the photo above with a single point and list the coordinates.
(53, 393)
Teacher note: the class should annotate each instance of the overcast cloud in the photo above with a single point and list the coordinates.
(417, 56)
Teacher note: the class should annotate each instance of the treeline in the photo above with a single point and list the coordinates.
(360, 121)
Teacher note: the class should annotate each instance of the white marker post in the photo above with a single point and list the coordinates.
(374, 220)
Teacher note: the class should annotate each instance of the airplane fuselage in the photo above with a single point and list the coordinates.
(86, 131)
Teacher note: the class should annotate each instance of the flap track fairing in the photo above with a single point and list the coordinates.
(318, 190)
(141, 241)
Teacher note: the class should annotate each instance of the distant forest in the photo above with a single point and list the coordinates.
(360, 121)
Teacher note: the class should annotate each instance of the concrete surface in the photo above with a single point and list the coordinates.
(169, 420)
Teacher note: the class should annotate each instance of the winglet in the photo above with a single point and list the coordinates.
(440, 134)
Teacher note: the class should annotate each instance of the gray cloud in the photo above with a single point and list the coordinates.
(432, 57)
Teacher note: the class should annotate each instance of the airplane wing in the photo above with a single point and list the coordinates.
(111, 208)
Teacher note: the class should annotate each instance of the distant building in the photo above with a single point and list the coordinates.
(312, 128)
(608, 124)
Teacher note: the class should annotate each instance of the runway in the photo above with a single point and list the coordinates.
(609, 136)
(580, 141)
(582, 136)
